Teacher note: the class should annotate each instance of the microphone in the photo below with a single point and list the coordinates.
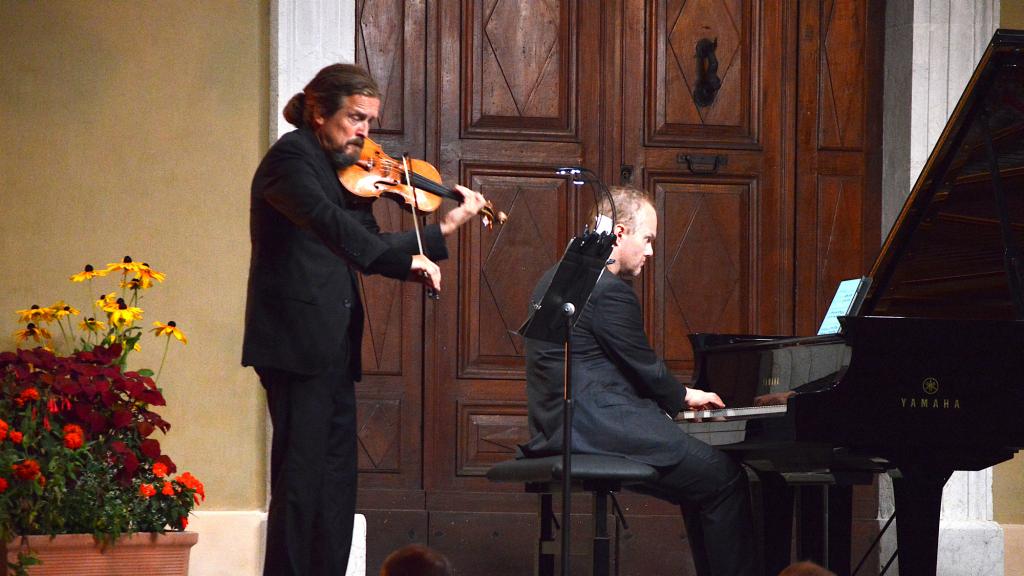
(580, 175)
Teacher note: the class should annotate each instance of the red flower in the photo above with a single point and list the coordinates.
(191, 482)
(159, 469)
(72, 441)
(184, 522)
(3, 430)
(16, 436)
(27, 395)
(147, 490)
(26, 470)
(3, 485)
(168, 489)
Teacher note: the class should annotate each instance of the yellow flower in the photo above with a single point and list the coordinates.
(88, 274)
(62, 309)
(92, 325)
(147, 275)
(108, 303)
(133, 284)
(169, 329)
(35, 314)
(37, 333)
(125, 314)
(125, 265)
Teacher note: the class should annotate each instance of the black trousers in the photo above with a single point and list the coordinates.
(712, 493)
(313, 472)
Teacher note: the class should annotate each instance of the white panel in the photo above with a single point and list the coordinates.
(949, 37)
(305, 36)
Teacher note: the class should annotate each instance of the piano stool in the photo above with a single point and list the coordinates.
(602, 476)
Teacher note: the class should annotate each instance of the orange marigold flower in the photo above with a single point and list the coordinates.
(192, 483)
(168, 489)
(27, 470)
(3, 485)
(16, 437)
(27, 395)
(147, 490)
(159, 469)
(74, 436)
(72, 441)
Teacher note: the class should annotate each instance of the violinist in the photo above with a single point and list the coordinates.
(304, 317)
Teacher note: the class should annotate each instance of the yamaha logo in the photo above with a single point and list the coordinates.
(930, 386)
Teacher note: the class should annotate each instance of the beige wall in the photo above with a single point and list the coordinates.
(1008, 478)
(133, 128)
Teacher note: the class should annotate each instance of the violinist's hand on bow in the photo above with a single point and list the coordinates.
(472, 203)
(425, 272)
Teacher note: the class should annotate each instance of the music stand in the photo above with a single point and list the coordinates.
(552, 320)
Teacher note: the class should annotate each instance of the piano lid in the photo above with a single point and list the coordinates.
(955, 249)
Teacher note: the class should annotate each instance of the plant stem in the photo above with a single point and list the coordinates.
(162, 358)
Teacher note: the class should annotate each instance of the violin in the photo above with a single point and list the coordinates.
(376, 174)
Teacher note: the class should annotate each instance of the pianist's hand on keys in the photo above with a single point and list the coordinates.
(697, 400)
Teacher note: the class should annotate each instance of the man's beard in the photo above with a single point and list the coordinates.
(341, 159)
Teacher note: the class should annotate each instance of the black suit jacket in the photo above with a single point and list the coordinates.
(623, 392)
(309, 237)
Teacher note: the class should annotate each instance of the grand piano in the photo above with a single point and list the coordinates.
(927, 377)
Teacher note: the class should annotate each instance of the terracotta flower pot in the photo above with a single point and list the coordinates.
(144, 553)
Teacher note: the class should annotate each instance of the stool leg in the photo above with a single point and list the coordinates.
(546, 542)
(602, 550)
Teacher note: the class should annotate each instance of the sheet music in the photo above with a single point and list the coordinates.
(848, 297)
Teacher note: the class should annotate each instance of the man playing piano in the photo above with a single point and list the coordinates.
(625, 398)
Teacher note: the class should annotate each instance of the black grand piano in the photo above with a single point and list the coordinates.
(928, 376)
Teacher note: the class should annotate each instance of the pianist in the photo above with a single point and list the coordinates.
(625, 397)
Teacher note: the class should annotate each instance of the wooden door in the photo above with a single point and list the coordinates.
(719, 170)
(391, 45)
(500, 93)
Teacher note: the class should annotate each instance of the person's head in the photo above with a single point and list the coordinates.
(416, 560)
(338, 104)
(805, 569)
(635, 227)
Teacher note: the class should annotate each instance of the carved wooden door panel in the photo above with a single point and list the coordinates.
(391, 45)
(704, 130)
(838, 135)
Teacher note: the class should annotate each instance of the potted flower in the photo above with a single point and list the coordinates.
(78, 448)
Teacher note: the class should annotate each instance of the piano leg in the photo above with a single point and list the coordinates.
(840, 527)
(918, 495)
(824, 525)
(773, 511)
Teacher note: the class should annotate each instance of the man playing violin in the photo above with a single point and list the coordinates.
(304, 317)
(625, 398)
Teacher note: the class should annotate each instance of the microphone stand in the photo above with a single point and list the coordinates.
(552, 321)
